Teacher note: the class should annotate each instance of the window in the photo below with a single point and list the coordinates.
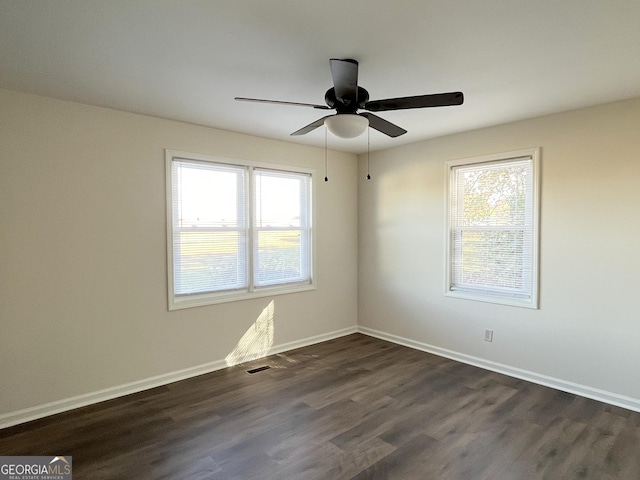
(236, 230)
(492, 234)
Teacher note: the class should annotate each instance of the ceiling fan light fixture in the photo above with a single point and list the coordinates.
(346, 125)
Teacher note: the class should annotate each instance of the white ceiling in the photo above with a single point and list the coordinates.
(187, 59)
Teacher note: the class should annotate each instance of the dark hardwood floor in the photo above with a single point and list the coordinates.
(351, 408)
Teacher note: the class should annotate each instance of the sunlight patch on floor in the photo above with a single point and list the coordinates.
(256, 341)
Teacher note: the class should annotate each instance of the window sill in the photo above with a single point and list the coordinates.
(214, 299)
(509, 301)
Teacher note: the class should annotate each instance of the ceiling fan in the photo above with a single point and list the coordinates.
(346, 98)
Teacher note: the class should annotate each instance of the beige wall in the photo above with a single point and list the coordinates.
(83, 304)
(83, 289)
(587, 330)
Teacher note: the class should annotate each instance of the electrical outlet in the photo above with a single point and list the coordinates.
(488, 335)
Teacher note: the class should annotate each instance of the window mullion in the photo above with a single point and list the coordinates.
(252, 230)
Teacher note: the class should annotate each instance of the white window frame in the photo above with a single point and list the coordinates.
(176, 302)
(479, 294)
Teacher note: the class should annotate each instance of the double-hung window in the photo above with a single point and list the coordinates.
(492, 234)
(236, 229)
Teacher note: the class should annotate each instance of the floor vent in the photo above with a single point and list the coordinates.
(259, 369)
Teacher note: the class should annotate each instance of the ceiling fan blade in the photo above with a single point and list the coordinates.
(419, 101)
(310, 127)
(280, 102)
(345, 79)
(383, 126)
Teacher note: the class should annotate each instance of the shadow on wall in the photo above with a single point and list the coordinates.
(256, 341)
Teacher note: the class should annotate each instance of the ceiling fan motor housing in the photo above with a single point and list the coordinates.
(346, 105)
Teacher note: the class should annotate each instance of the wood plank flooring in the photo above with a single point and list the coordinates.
(351, 408)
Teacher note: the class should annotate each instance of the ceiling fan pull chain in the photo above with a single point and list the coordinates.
(326, 179)
(368, 149)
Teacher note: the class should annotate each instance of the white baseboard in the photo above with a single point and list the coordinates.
(305, 342)
(39, 411)
(584, 391)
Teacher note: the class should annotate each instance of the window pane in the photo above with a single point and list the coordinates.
(282, 248)
(210, 227)
(490, 258)
(279, 199)
(493, 195)
(209, 195)
(280, 257)
(209, 261)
